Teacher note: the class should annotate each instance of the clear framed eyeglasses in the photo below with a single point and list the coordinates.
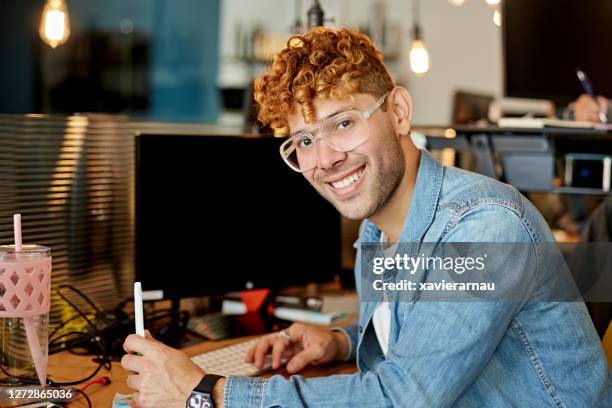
(344, 132)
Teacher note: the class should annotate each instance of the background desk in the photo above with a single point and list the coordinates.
(65, 366)
(529, 159)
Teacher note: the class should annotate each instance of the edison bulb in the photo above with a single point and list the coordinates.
(419, 57)
(497, 19)
(55, 25)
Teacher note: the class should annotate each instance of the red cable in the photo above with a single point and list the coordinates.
(100, 380)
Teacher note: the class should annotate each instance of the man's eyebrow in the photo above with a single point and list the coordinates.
(334, 113)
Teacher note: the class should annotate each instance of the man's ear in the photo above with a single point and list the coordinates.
(400, 105)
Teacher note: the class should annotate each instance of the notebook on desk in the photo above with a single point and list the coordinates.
(329, 308)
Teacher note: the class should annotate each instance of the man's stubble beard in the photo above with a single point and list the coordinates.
(384, 181)
(389, 178)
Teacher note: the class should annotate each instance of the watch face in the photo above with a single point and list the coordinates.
(199, 400)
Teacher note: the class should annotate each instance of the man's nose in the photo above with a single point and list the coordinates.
(328, 157)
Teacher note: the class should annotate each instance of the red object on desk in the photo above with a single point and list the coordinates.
(253, 299)
(253, 320)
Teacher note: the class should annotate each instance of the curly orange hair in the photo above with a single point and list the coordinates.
(324, 63)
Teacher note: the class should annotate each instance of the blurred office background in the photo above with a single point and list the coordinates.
(191, 60)
(69, 111)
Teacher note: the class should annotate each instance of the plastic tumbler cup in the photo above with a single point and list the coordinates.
(25, 299)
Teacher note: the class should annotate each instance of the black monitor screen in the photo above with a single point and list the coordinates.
(221, 213)
(546, 40)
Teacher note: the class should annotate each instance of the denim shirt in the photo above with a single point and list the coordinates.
(460, 354)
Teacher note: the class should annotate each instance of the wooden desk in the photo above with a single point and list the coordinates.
(65, 366)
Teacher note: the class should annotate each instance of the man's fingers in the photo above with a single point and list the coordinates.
(138, 344)
(136, 396)
(134, 381)
(248, 357)
(262, 349)
(132, 362)
(278, 348)
(257, 353)
(305, 357)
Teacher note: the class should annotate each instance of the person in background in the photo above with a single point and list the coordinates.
(586, 110)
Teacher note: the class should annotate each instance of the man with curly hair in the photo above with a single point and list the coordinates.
(348, 129)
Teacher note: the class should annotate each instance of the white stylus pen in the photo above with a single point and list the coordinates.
(138, 314)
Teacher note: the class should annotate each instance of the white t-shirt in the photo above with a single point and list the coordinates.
(381, 319)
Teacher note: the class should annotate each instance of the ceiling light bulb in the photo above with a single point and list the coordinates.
(492, 2)
(419, 57)
(497, 18)
(54, 24)
(456, 2)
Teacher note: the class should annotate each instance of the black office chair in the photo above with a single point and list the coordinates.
(591, 261)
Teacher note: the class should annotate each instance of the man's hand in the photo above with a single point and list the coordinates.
(585, 108)
(163, 376)
(308, 345)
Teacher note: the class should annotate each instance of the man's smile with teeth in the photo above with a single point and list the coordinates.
(348, 180)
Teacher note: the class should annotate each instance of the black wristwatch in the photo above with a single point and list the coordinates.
(201, 396)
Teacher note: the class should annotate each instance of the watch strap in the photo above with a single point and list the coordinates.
(207, 383)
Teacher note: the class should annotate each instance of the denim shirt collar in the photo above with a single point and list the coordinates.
(423, 203)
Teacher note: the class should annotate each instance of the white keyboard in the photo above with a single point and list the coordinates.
(230, 361)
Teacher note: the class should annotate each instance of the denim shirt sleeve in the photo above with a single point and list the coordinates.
(350, 331)
(441, 348)
(241, 391)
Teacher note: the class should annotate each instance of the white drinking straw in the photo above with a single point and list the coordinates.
(138, 312)
(17, 231)
(37, 355)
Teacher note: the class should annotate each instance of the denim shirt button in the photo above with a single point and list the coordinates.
(360, 329)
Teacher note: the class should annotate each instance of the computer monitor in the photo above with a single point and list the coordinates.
(546, 40)
(470, 108)
(216, 214)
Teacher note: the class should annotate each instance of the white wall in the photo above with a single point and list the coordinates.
(463, 42)
(465, 51)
